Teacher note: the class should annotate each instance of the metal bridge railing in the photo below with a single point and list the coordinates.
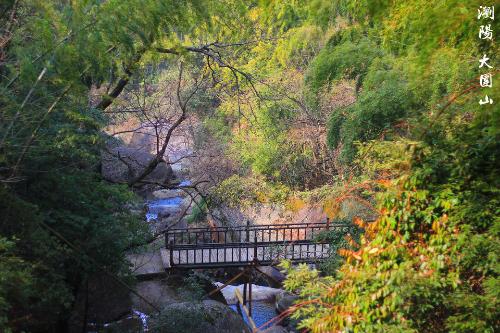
(245, 245)
(248, 233)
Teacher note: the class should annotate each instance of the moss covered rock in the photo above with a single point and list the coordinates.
(198, 317)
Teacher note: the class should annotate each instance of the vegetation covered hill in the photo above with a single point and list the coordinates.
(376, 102)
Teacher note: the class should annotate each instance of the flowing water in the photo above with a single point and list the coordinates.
(262, 313)
(155, 206)
(144, 319)
(263, 305)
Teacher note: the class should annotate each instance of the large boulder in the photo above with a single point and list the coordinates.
(259, 293)
(121, 164)
(284, 300)
(157, 292)
(199, 317)
(100, 300)
(272, 276)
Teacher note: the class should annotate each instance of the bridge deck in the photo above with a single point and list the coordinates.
(243, 246)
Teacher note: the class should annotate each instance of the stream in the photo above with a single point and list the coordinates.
(262, 312)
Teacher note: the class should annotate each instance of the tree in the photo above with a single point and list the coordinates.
(66, 221)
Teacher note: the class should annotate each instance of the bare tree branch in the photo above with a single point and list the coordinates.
(160, 155)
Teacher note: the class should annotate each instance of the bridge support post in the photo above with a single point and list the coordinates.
(248, 231)
(250, 294)
(245, 293)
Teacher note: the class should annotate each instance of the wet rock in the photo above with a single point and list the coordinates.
(163, 214)
(127, 325)
(199, 317)
(284, 301)
(168, 210)
(206, 285)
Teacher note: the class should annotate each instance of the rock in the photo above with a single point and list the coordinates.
(187, 205)
(127, 325)
(203, 281)
(137, 212)
(166, 194)
(157, 292)
(272, 275)
(106, 300)
(275, 329)
(259, 293)
(146, 265)
(284, 300)
(164, 214)
(120, 164)
(200, 317)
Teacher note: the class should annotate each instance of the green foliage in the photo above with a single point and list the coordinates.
(241, 191)
(15, 280)
(282, 16)
(427, 67)
(429, 27)
(199, 212)
(192, 288)
(430, 262)
(384, 101)
(421, 265)
(268, 151)
(350, 60)
(338, 241)
(300, 46)
(67, 222)
(385, 159)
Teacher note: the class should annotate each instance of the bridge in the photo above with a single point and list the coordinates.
(214, 247)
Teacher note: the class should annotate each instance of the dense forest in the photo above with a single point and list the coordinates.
(369, 110)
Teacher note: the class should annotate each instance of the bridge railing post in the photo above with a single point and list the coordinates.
(248, 231)
(327, 223)
(255, 247)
